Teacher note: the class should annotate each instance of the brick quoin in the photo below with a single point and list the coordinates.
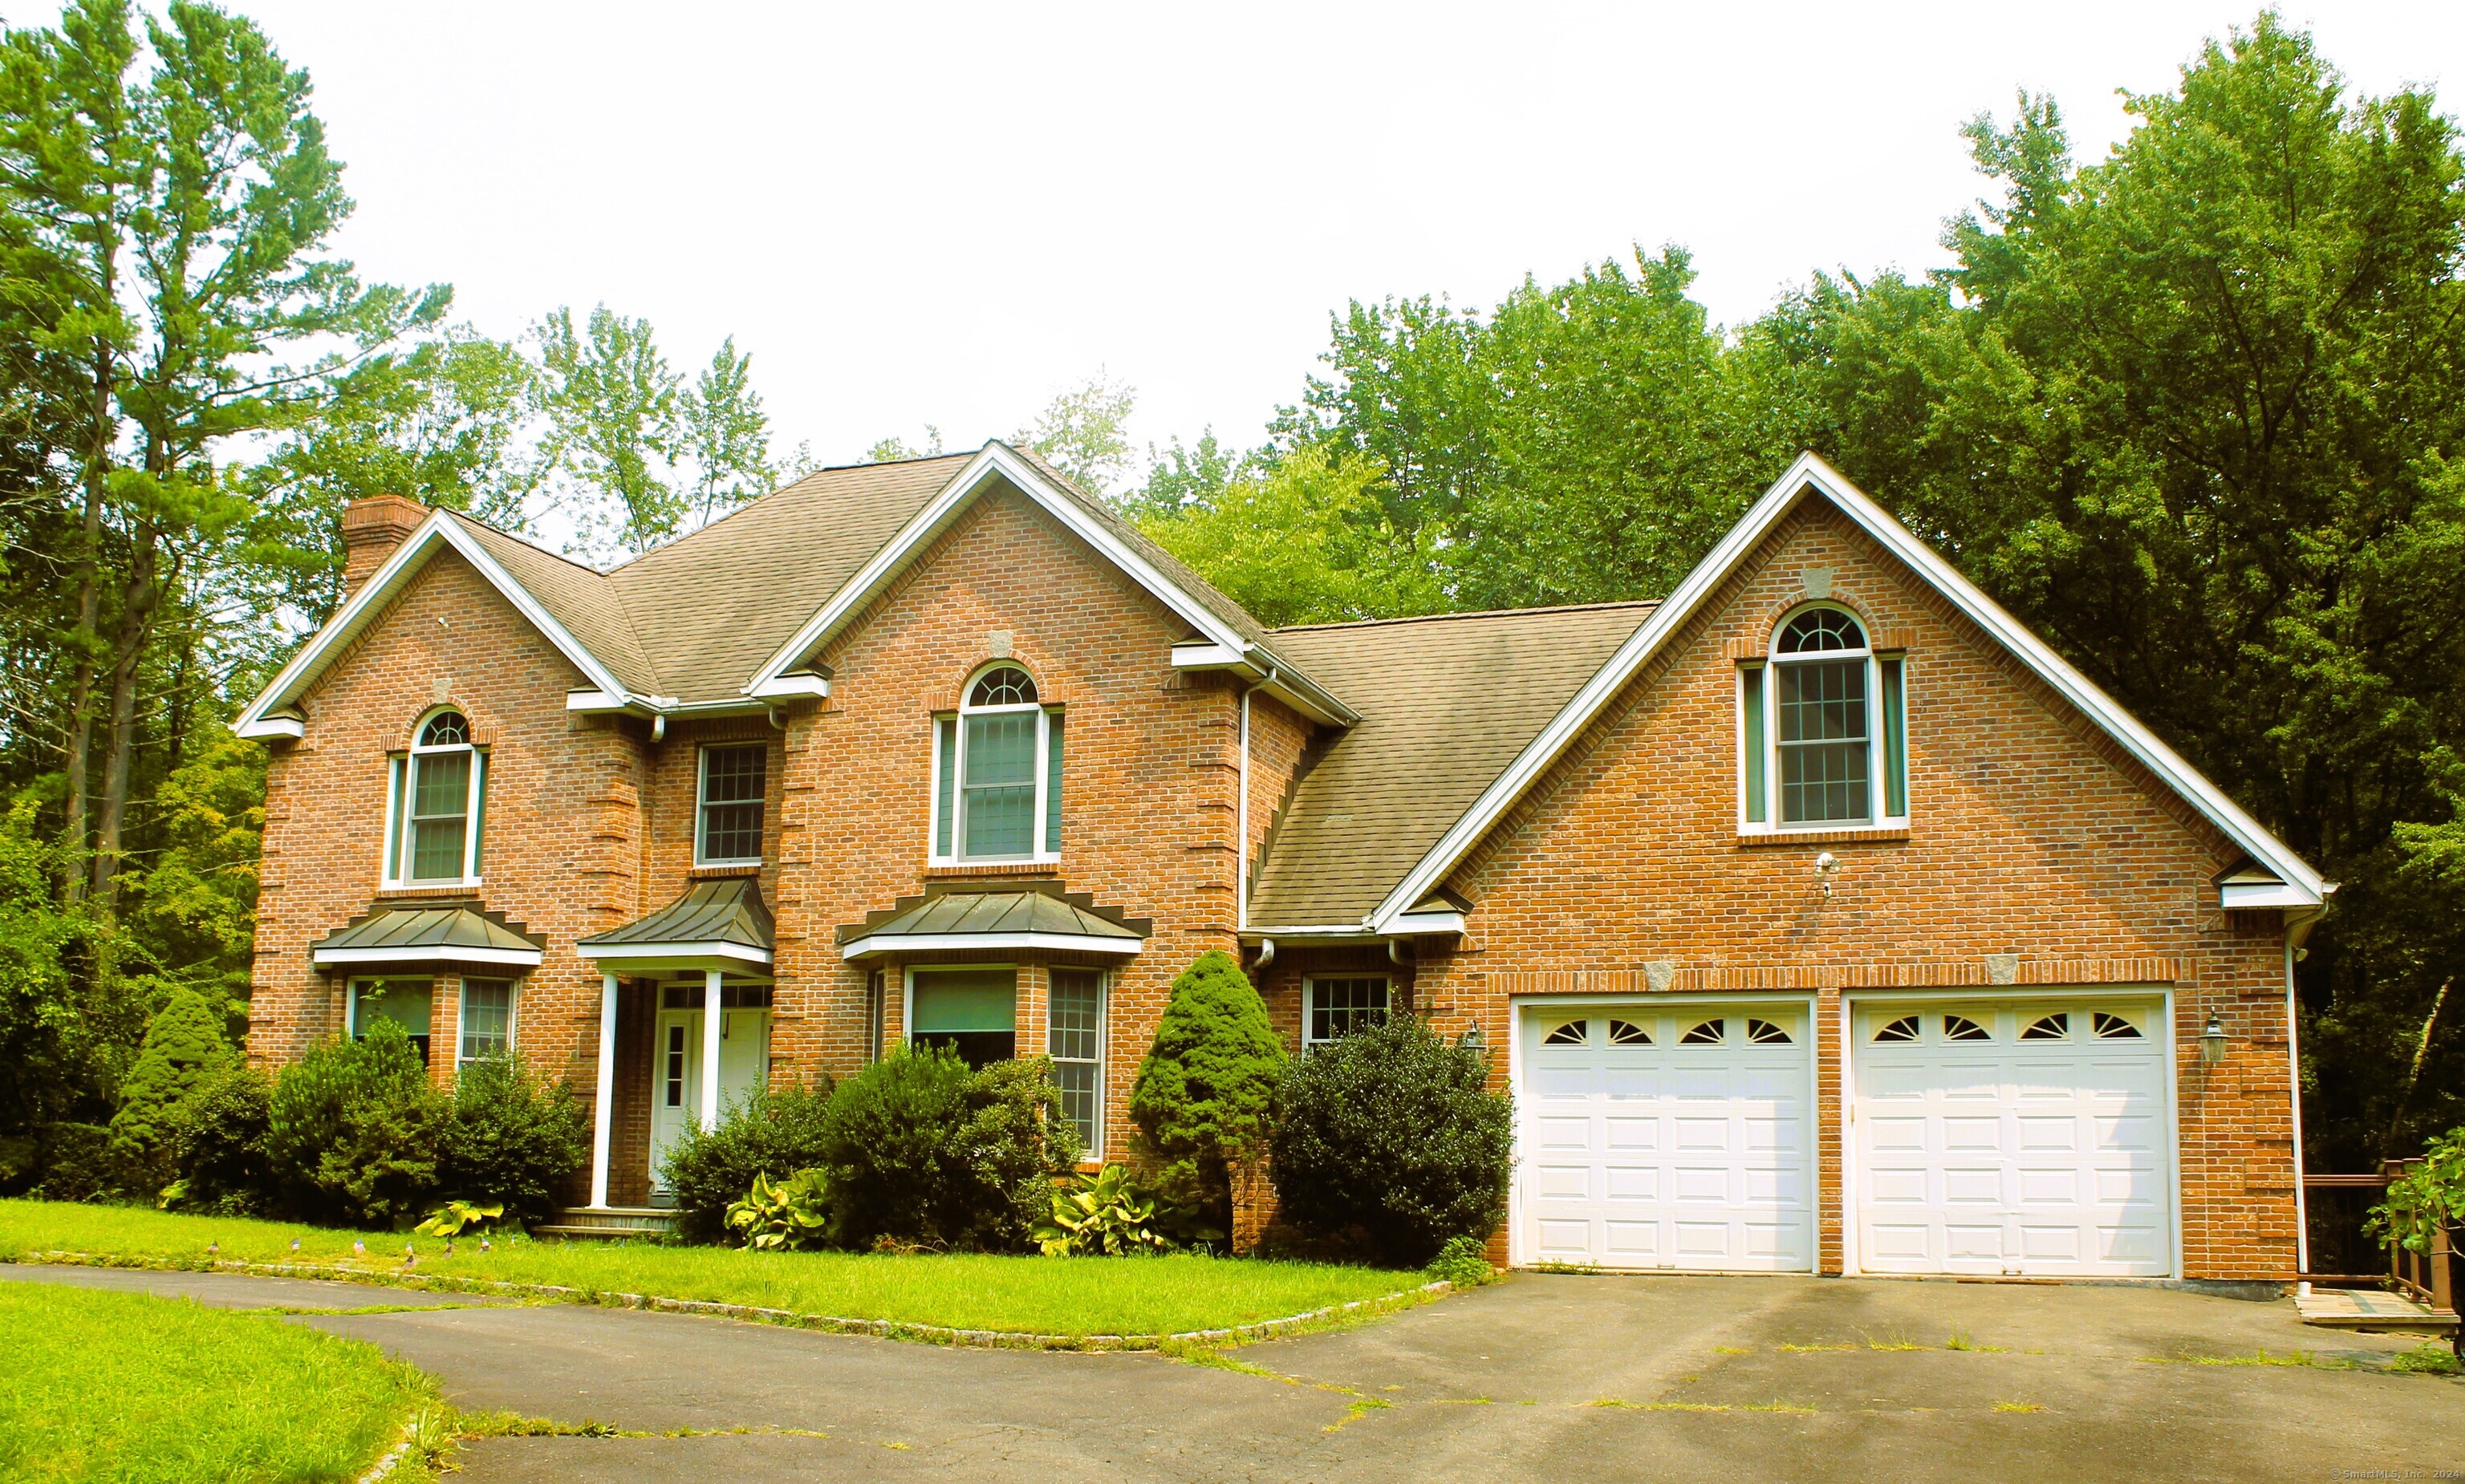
(2031, 833)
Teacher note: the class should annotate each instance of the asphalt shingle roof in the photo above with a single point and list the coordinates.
(1446, 703)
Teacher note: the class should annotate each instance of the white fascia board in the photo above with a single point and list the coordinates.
(792, 687)
(1410, 922)
(433, 953)
(1878, 524)
(991, 942)
(271, 727)
(743, 953)
(1205, 656)
(363, 606)
(596, 702)
(2239, 896)
(1332, 932)
(1256, 662)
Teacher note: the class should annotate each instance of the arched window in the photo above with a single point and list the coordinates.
(997, 773)
(436, 806)
(1822, 728)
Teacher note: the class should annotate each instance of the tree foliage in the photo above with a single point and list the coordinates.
(1206, 1087)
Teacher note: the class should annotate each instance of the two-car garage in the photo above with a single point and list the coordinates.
(2023, 1136)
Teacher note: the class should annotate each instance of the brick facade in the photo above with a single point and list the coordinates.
(1621, 871)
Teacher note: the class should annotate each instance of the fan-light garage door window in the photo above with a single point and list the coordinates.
(1661, 1135)
(2025, 1139)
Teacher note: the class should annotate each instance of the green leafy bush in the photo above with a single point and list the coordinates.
(924, 1152)
(456, 1217)
(1115, 1213)
(1208, 1086)
(514, 1140)
(76, 1161)
(184, 1044)
(353, 1130)
(2431, 1194)
(1390, 1135)
(792, 1214)
(775, 1133)
(1464, 1262)
(217, 1139)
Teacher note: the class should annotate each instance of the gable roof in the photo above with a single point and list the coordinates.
(1446, 703)
(1810, 477)
(715, 619)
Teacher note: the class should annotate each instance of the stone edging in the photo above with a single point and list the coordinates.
(885, 1329)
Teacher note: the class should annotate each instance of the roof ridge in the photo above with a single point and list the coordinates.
(793, 484)
(519, 540)
(1483, 612)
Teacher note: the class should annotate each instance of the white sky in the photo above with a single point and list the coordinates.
(943, 214)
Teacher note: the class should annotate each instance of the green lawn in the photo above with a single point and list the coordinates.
(1048, 1295)
(122, 1389)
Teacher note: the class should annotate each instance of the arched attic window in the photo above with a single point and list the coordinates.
(436, 806)
(1823, 727)
(997, 773)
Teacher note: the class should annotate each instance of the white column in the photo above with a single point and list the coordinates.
(711, 1022)
(603, 1113)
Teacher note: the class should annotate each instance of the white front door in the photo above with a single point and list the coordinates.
(675, 1072)
(2019, 1138)
(1666, 1134)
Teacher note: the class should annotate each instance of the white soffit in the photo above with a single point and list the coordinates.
(439, 530)
(2301, 886)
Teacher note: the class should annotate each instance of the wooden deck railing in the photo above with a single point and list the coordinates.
(2427, 1277)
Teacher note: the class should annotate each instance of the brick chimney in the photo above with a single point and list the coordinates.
(371, 528)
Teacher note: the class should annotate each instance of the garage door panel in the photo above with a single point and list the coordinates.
(1693, 1156)
(2005, 1156)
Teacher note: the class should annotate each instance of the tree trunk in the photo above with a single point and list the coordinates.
(136, 627)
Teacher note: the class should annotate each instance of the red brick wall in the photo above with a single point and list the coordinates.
(2030, 834)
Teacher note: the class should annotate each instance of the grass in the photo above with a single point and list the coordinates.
(2429, 1359)
(2257, 1358)
(128, 1388)
(1044, 1295)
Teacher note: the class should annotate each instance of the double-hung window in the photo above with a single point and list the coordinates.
(487, 1019)
(437, 807)
(1823, 730)
(727, 828)
(997, 774)
(1074, 1041)
(1332, 1009)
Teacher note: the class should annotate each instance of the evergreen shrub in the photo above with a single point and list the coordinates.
(354, 1129)
(774, 1134)
(923, 1151)
(1207, 1089)
(514, 1137)
(1391, 1138)
(184, 1043)
(76, 1161)
(217, 1143)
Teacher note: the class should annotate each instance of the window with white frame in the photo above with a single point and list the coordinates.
(997, 773)
(406, 1002)
(1074, 1041)
(1332, 1009)
(437, 807)
(727, 825)
(1823, 729)
(486, 1024)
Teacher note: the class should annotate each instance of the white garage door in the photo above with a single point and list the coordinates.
(1662, 1135)
(2013, 1137)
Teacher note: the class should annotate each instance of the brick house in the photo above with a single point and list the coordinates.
(1819, 917)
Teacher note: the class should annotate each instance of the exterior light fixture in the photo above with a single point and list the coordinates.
(1474, 1039)
(1825, 866)
(2212, 1043)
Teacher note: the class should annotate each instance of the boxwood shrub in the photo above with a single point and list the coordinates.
(924, 1152)
(775, 1133)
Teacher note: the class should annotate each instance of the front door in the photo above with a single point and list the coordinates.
(675, 1072)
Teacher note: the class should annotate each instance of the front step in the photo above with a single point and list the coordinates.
(619, 1222)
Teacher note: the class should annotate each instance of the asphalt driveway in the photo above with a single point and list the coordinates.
(1543, 1376)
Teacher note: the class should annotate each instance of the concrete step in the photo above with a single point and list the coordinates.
(612, 1221)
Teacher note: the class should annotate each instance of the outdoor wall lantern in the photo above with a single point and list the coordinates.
(2212, 1043)
(1474, 1039)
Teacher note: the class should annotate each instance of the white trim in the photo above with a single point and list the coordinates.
(1410, 922)
(272, 727)
(1045, 716)
(740, 952)
(1205, 656)
(1094, 1153)
(400, 801)
(439, 953)
(592, 702)
(1309, 1002)
(702, 799)
(363, 606)
(1877, 739)
(2239, 896)
(2294, 1090)
(1810, 472)
(800, 686)
(875, 947)
(603, 1111)
(462, 1013)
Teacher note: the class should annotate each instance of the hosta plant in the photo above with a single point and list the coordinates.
(456, 1217)
(1116, 1213)
(794, 1213)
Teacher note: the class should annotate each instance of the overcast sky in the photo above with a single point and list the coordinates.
(915, 213)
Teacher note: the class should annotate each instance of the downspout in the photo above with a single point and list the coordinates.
(2294, 933)
(1241, 813)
